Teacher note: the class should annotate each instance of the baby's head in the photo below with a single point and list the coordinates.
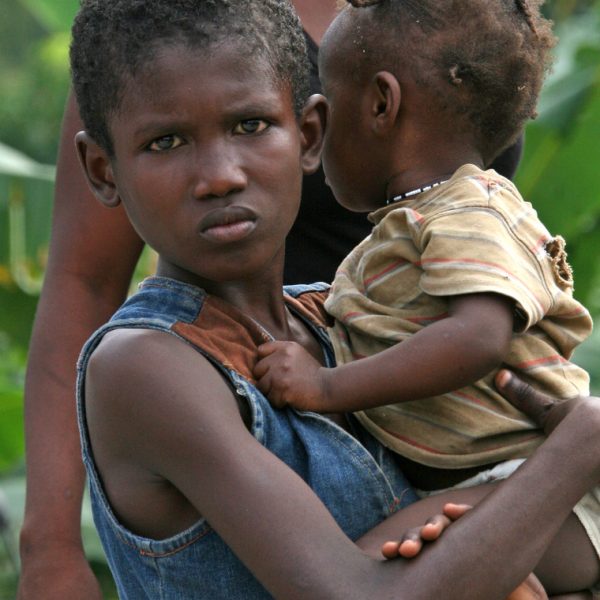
(481, 62)
(115, 40)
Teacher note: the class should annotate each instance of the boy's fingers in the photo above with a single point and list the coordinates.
(434, 527)
(454, 511)
(533, 403)
(410, 548)
(390, 550)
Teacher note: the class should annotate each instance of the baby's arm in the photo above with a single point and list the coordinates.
(444, 356)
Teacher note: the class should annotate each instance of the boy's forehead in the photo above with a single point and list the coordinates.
(221, 74)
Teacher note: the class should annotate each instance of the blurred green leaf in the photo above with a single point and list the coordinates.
(13, 162)
(12, 369)
(564, 99)
(54, 15)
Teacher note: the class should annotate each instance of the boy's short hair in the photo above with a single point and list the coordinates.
(485, 60)
(114, 39)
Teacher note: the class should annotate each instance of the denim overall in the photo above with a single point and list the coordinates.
(359, 482)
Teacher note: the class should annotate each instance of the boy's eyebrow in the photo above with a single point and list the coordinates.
(267, 103)
(244, 108)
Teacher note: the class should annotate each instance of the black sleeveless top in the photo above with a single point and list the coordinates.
(324, 232)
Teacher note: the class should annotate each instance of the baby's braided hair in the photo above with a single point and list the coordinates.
(480, 59)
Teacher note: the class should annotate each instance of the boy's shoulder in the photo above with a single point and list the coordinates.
(219, 331)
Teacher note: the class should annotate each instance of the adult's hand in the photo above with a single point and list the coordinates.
(57, 573)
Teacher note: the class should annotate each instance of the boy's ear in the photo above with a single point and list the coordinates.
(312, 127)
(384, 100)
(98, 169)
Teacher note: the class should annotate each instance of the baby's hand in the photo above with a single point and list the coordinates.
(289, 376)
(411, 543)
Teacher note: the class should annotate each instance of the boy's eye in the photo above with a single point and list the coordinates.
(166, 142)
(248, 126)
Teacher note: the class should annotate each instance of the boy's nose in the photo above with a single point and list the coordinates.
(219, 174)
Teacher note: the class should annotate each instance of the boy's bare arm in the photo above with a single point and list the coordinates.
(442, 357)
(92, 255)
(176, 416)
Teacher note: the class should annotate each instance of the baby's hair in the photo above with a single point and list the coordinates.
(113, 40)
(481, 59)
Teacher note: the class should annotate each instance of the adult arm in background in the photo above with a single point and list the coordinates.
(93, 252)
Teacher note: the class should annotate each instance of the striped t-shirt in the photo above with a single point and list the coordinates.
(473, 234)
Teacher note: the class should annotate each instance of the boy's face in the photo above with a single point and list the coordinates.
(208, 162)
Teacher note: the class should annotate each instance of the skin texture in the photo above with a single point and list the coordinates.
(161, 475)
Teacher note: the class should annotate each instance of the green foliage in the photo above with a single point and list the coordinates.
(36, 77)
(559, 173)
(54, 16)
(12, 367)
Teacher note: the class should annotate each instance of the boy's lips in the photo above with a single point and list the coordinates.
(227, 224)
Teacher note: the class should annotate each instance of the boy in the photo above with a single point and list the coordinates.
(457, 268)
(199, 488)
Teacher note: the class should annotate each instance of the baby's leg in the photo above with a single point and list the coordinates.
(570, 563)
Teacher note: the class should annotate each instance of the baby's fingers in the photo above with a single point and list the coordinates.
(260, 370)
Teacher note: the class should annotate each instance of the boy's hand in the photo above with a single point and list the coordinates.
(289, 376)
(544, 410)
(412, 541)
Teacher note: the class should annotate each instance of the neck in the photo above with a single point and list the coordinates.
(259, 296)
(405, 181)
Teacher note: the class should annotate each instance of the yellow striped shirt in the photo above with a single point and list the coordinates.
(474, 234)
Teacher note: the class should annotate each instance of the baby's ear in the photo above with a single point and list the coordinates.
(384, 100)
(98, 169)
(312, 127)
